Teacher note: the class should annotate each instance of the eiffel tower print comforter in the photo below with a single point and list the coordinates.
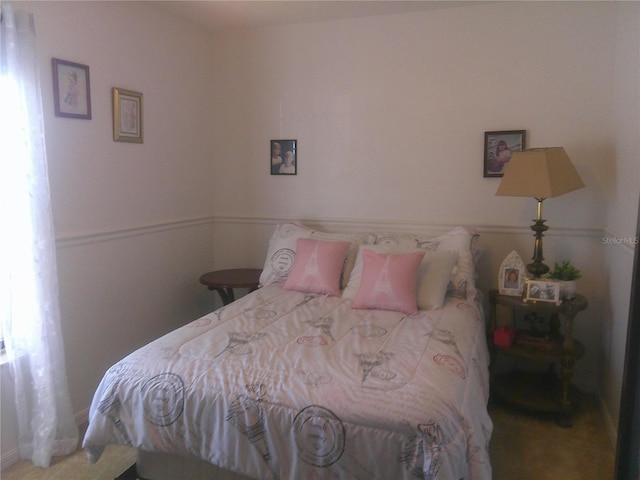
(287, 385)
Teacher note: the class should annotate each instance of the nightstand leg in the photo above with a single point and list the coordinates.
(226, 294)
(568, 359)
(566, 407)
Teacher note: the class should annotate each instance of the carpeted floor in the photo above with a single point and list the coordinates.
(523, 447)
(114, 461)
(533, 447)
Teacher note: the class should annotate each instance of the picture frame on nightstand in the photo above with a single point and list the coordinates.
(542, 291)
(512, 275)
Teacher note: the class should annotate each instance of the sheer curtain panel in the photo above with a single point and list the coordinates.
(29, 307)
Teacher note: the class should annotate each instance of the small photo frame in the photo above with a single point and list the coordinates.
(284, 157)
(71, 89)
(512, 275)
(498, 148)
(542, 291)
(127, 116)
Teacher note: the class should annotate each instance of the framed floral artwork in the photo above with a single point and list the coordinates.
(71, 89)
(127, 116)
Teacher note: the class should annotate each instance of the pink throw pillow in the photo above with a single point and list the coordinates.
(317, 266)
(389, 282)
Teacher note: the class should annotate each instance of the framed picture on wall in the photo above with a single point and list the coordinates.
(127, 116)
(284, 157)
(498, 148)
(71, 89)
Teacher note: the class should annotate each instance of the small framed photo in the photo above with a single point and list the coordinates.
(512, 275)
(498, 148)
(542, 291)
(127, 116)
(71, 89)
(284, 157)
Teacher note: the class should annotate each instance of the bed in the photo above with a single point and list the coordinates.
(361, 356)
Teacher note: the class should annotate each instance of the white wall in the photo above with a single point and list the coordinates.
(621, 198)
(133, 222)
(390, 111)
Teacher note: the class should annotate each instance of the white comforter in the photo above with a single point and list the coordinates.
(286, 385)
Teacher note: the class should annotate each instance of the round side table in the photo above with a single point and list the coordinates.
(224, 281)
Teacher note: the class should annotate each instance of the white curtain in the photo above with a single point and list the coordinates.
(29, 307)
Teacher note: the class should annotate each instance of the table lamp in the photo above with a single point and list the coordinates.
(539, 173)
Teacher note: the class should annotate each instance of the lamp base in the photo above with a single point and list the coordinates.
(538, 268)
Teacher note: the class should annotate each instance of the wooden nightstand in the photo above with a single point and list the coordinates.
(224, 281)
(546, 392)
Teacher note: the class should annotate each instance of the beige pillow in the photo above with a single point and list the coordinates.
(432, 287)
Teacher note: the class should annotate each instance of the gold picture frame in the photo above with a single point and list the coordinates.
(127, 116)
(542, 291)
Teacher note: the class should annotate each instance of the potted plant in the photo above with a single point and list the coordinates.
(566, 274)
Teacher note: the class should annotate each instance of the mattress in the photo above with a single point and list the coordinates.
(288, 385)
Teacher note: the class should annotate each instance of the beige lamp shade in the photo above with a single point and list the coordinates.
(540, 173)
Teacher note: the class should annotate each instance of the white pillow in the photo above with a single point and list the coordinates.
(459, 239)
(434, 274)
(281, 253)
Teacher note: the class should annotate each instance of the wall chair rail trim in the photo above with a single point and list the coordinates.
(359, 225)
(335, 224)
(108, 235)
(626, 242)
